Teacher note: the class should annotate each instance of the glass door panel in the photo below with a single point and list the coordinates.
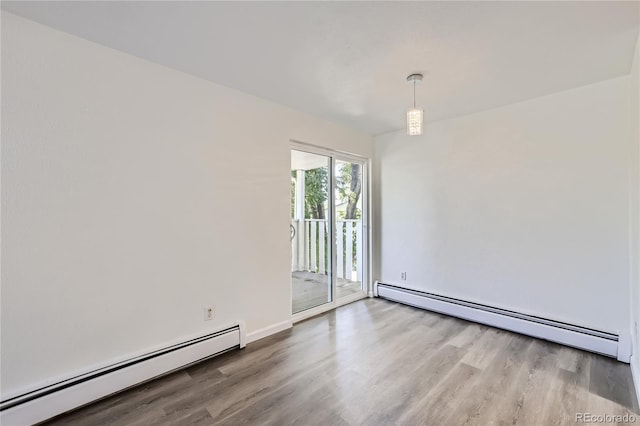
(311, 276)
(348, 199)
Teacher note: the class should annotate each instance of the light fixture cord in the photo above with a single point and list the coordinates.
(414, 94)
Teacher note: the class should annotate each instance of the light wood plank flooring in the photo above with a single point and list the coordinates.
(375, 362)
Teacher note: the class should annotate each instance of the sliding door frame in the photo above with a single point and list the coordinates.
(366, 236)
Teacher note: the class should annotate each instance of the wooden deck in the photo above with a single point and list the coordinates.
(311, 289)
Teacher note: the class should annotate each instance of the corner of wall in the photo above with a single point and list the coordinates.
(635, 375)
(634, 215)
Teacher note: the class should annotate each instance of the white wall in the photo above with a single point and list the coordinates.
(523, 207)
(634, 215)
(132, 197)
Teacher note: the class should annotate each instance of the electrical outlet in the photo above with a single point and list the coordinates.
(403, 276)
(209, 312)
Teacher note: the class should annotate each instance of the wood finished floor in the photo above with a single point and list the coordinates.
(375, 362)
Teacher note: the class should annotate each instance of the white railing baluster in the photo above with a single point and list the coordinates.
(359, 250)
(310, 248)
(349, 251)
(321, 253)
(340, 248)
(307, 242)
(314, 241)
(300, 239)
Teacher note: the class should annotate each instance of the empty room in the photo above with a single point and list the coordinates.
(320, 213)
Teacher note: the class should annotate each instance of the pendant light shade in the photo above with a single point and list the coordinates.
(414, 121)
(415, 116)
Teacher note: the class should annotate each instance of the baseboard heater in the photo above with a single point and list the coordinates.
(49, 401)
(567, 334)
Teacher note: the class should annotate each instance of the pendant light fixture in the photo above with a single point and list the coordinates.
(414, 115)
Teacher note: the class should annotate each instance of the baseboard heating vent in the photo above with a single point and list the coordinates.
(566, 334)
(49, 401)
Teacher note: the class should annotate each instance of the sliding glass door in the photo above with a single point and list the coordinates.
(328, 238)
(348, 225)
(311, 276)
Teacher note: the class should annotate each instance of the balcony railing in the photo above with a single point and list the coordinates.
(310, 243)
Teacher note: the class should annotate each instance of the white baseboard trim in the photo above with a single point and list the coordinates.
(300, 316)
(624, 346)
(44, 403)
(375, 288)
(120, 359)
(566, 334)
(635, 375)
(268, 331)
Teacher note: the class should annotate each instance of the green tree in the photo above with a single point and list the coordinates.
(316, 183)
(349, 185)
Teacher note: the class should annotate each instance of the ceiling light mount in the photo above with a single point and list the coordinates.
(414, 115)
(415, 78)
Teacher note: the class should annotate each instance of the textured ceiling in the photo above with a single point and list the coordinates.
(347, 61)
